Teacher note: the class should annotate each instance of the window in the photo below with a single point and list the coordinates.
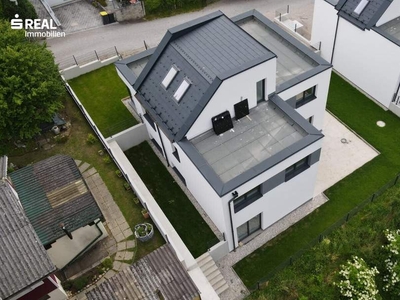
(360, 7)
(251, 226)
(170, 76)
(175, 153)
(150, 120)
(297, 168)
(261, 90)
(182, 89)
(311, 119)
(246, 199)
(305, 97)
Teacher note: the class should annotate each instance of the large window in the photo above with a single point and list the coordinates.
(305, 97)
(251, 226)
(261, 90)
(297, 168)
(246, 199)
(170, 76)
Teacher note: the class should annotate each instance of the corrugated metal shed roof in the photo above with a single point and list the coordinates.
(160, 271)
(23, 260)
(3, 167)
(52, 191)
(368, 17)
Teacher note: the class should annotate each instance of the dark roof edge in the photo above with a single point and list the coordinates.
(222, 189)
(302, 77)
(290, 39)
(386, 35)
(172, 33)
(331, 2)
(33, 283)
(340, 4)
(126, 72)
(198, 109)
(352, 20)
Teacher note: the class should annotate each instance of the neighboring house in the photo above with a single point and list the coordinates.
(235, 106)
(158, 275)
(26, 271)
(361, 39)
(60, 207)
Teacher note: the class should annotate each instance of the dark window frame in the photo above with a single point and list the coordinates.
(150, 120)
(248, 228)
(262, 85)
(247, 199)
(307, 96)
(176, 153)
(297, 168)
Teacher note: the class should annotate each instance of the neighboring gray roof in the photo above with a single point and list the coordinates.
(276, 131)
(368, 17)
(266, 131)
(53, 191)
(159, 271)
(23, 260)
(3, 166)
(390, 30)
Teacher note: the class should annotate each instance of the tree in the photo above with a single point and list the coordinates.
(30, 84)
(24, 9)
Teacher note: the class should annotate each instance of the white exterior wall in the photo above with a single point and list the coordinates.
(279, 201)
(323, 27)
(392, 12)
(233, 90)
(368, 60)
(316, 107)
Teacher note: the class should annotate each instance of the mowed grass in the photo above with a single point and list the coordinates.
(186, 220)
(360, 114)
(100, 92)
(77, 148)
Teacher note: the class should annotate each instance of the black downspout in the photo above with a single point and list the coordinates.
(162, 144)
(230, 218)
(397, 93)
(334, 41)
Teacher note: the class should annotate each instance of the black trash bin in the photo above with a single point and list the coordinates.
(111, 18)
(104, 16)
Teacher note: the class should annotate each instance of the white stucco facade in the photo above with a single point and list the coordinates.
(366, 58)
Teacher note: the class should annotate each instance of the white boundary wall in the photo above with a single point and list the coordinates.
(76, 71)
(130, 137)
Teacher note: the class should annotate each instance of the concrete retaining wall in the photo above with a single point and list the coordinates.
(76, 71)
(130, 137)
(219, 250)
(130, 12)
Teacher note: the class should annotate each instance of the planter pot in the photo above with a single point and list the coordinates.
(147, 232)
(145, 214)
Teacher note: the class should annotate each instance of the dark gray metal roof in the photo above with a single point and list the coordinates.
(52, 191)
(267, 152)
(160, 271)
(23, 260)
(368, 17)
(3, 166)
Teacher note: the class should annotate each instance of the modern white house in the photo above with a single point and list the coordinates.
(236, 108)
(361, 38)
(26, 272)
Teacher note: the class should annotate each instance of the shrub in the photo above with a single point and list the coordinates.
(358, 280)
(91, 139)
(107, 263)
(391, 278)
(80, 283)
(107, 159)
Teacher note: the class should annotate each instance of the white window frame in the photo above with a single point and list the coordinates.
(182, 89)
(170, 76)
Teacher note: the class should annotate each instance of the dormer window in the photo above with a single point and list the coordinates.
(182, 89)
(170, 76)
(360, 7)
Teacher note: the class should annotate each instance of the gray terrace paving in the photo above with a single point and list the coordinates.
(254, 138)
(392, 28)
(290, 61)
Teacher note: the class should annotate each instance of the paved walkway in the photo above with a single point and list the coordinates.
(120, 241)
(129, 36)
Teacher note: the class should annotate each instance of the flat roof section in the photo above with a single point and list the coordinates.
(290, 61)
(392, 28)
(264, 132)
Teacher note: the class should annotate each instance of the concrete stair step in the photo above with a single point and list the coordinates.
(215, 279)
(222, 288)
(213, 274)
(204, 260)
(209, 268)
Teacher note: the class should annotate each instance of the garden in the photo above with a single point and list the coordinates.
(361, 114)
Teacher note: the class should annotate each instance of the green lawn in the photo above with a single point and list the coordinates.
(101, 92)
(190, 226)
(77, 148)
(361, 114)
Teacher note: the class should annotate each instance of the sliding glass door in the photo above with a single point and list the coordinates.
(249, 227)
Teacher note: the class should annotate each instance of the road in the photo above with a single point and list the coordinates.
(129, 36)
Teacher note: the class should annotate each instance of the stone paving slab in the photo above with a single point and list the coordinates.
(116, 265)
(128, 255)
(109, 274)
(123, 266)
(78, 162)
(84, 167)
(120, 255)
(127, 233)
(130, 244)
(121, 246)
(124, 226)
(89, 173)
(119, 237)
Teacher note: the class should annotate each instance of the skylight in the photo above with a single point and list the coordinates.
(360, 7)
(182, 89)
(170, 76)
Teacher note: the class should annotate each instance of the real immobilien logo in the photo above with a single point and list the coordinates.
(45, 28)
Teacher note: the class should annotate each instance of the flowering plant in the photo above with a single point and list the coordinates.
(391, 279)
(358, 280)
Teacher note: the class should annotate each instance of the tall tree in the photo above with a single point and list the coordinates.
(25, 10)
(30, 84)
